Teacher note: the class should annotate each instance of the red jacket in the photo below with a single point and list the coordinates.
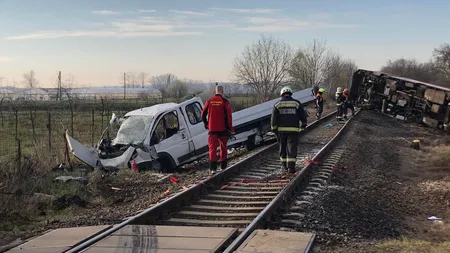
(216, 115)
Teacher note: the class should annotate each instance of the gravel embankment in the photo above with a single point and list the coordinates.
(378, 197)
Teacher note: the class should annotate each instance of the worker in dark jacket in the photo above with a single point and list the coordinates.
(216, 116)
(340, 99)
(319, 102)
(347, 104)
(285, 123)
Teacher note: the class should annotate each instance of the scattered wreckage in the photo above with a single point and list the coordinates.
(403, 98)
(164, 136)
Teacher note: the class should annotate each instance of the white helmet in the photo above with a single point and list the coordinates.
(339, 90)
(285, 90)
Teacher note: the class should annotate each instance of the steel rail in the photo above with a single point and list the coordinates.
(284, 196)
(184, 197)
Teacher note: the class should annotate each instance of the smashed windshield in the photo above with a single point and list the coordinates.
(133, 130)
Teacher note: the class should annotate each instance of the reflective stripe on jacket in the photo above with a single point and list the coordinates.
(340, 99)
(287, 114)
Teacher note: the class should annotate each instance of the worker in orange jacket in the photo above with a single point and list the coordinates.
(217, 117)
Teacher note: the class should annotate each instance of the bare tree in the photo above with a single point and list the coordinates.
(339, 73)
(264, 66)
(310, 65)
(442, 59)
(162, 84)
(178, 90)
(1, 80)
(131, 79)
(142, 78)
(195, 86)
(30, 80)
(411, 68)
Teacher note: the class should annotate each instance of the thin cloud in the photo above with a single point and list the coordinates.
(117, 34)
(136, 27)
(149, 20)
(267, 28)
(320, 15)
(205, 26)
(193, 13)
(283, 25)
(104, 12)
(146, 11)
(254, 11)
(5, 59)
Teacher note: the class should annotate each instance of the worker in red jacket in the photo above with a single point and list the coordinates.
(216, 116)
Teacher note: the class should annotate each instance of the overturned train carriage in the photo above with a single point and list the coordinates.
(403, 98)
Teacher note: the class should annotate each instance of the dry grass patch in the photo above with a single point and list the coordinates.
(405, 245)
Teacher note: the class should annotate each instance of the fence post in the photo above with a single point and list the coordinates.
(101, 129)
(71, 122)
(17, 123)
(93, 127)
(19, 154)
(49, 127)
(66, 153)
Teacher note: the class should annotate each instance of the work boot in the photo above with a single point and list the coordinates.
(291, 170)
(283, 170)
(223, 165)
(213, 167)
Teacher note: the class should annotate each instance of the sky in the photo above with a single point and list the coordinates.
(96, 41)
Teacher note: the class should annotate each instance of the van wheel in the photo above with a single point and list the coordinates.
(250, 144)
(156, 165)
(166, 165)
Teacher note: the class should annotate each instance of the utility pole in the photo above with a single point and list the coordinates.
(124, 86)
(59, 87)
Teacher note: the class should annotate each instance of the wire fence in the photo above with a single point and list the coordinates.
(35, 130)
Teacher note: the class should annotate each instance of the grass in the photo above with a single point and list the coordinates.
(406, 245)
(441, 156)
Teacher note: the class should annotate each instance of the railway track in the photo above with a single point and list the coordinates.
(244, 196)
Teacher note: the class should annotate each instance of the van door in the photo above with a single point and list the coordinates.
(199, 134)
(170, 136)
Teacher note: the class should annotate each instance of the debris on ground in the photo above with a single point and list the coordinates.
(66, 201)
(64, 179)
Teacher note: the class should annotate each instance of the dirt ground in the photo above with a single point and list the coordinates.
(382, 201)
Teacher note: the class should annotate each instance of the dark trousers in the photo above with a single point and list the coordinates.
(319, 111)
(349, 106)
(288, 149)
(340, 112)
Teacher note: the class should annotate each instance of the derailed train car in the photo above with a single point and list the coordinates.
(403, 98)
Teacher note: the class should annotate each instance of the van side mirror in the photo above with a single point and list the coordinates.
(113, 119)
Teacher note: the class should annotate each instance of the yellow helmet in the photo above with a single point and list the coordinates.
(321, 90)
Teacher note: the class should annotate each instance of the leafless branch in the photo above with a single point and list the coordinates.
(264, 66)
(178, 90)
(162, 83)
(30, 80)
(142, 78)
(309, 66)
